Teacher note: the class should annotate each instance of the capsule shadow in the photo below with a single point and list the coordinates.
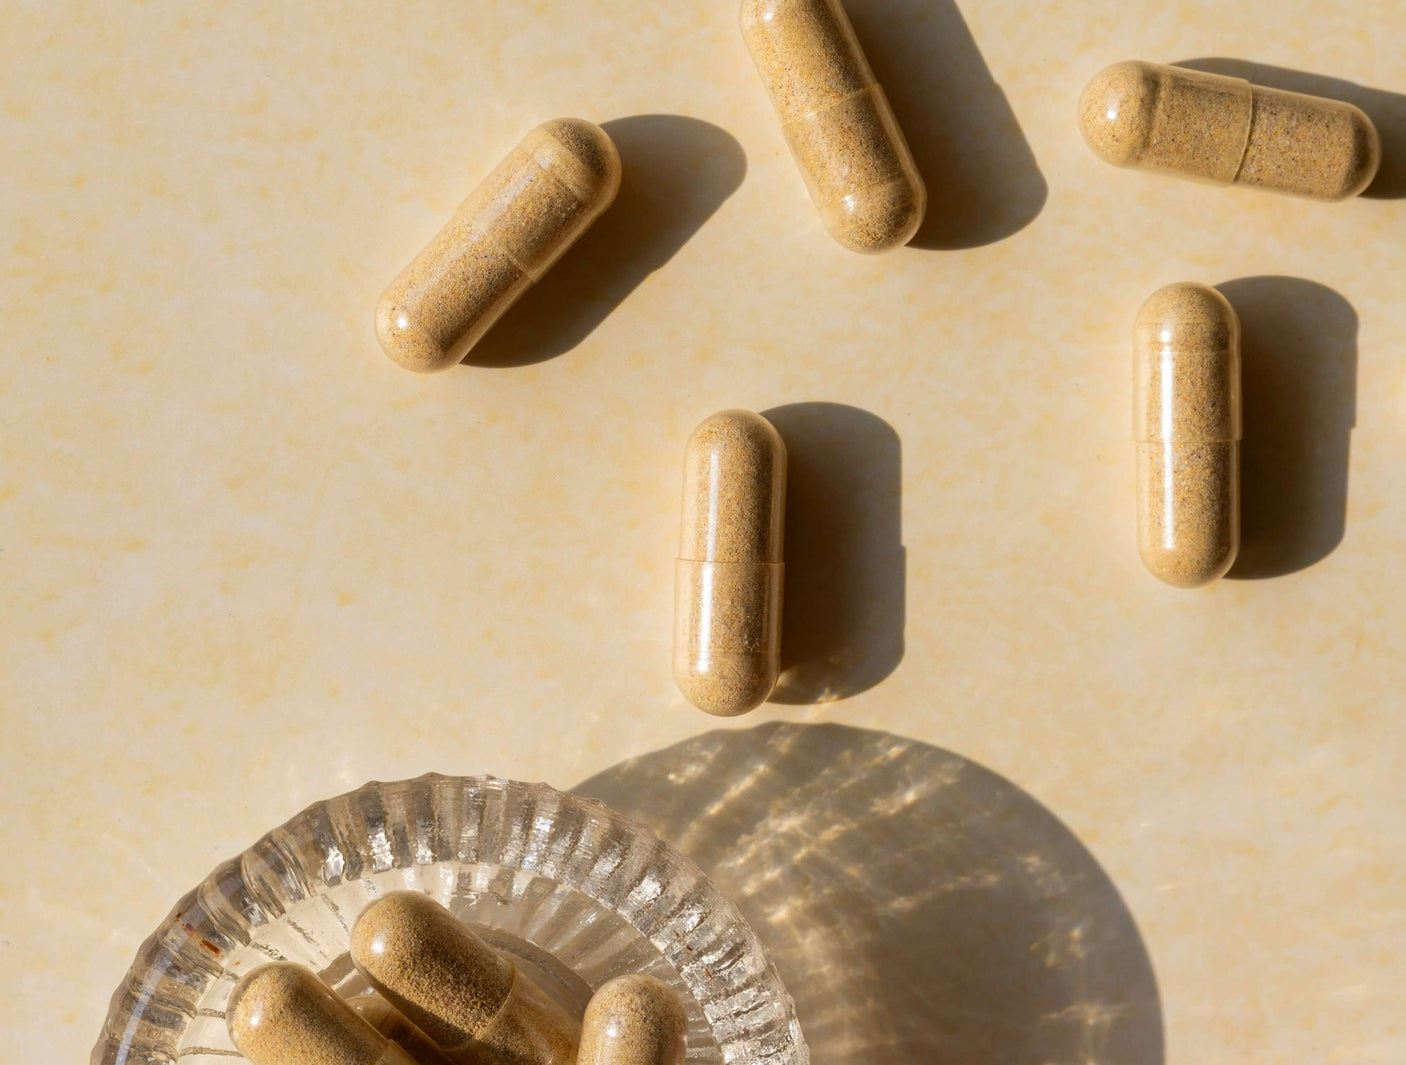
(1387, 110)
(982, 179)
(919, 907)
(1299, 382)
(842, 630)
(676, 172)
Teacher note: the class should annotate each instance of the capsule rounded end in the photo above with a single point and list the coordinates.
(634, 1018)
(408, 343)
(408, 945)
(729, 684)
(1116, 111)
(400, 924)
(259, 993)
(283, 1012)
(1182, 569)
(1366, 150)
(743, 428)
(596, 157)
(1186, 303)
(371, 934)
(879, 218)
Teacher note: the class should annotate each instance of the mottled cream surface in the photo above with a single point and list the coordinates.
(248, 563)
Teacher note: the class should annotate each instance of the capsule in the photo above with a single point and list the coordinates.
(391, 1023)
(633, 1020)
(1186, 420)
(282, 1014)
(506, 235)
(1224, 130)
(469, 999)
(837, 121)
(728, 577)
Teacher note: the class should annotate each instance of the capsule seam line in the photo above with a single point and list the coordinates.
(834, 103)
(1249, 126)
(488, 1025)
(497, 245)
(566, 189)
(896, 176)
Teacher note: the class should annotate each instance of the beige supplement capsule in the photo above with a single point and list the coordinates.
(391, 1023)
(506, 235)
(728, 577)
(837, 121)
(1225, 130)
(282, 1014)
(470, 1000)
(1186, 421)
(633, 1020)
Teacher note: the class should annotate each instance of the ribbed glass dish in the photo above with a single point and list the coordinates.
(574, 891)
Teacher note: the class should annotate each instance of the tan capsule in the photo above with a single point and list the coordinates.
(391, 1023)
(633, 1020)
(1186, 420)
(469, 999)
(1225, 130)
(837, 121)
(728, 577)
(506, 235)
(282, 1014)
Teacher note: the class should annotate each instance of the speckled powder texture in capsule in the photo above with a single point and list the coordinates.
(634, 1020)
(837, 121)
(469, 999)
(431, 967)
(282, 1014)
(734, 490)
(1223, 129)
(530, 1029)
(1187, 427)
(1308, 146)
(728, 578)
(727, 633)
(1163, 118)
(518, 221)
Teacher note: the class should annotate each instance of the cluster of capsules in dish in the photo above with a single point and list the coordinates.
(862, 178)
(442, 996)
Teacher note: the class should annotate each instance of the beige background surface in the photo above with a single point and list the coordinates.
(246, 562)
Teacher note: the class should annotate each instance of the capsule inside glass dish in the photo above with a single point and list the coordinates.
(506, 235)
(634, 1020)
(837, 121)
(283, 1014)
(1187, 425)
(728, 577)
(468, 998)
(1225, 130)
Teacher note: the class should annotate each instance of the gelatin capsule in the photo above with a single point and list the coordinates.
(282, 1014)
(470, 1000)
(1186, 421)
(634, 1020)
(837, 121)
(506, 235)
(728, 577)
(1224, 130)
